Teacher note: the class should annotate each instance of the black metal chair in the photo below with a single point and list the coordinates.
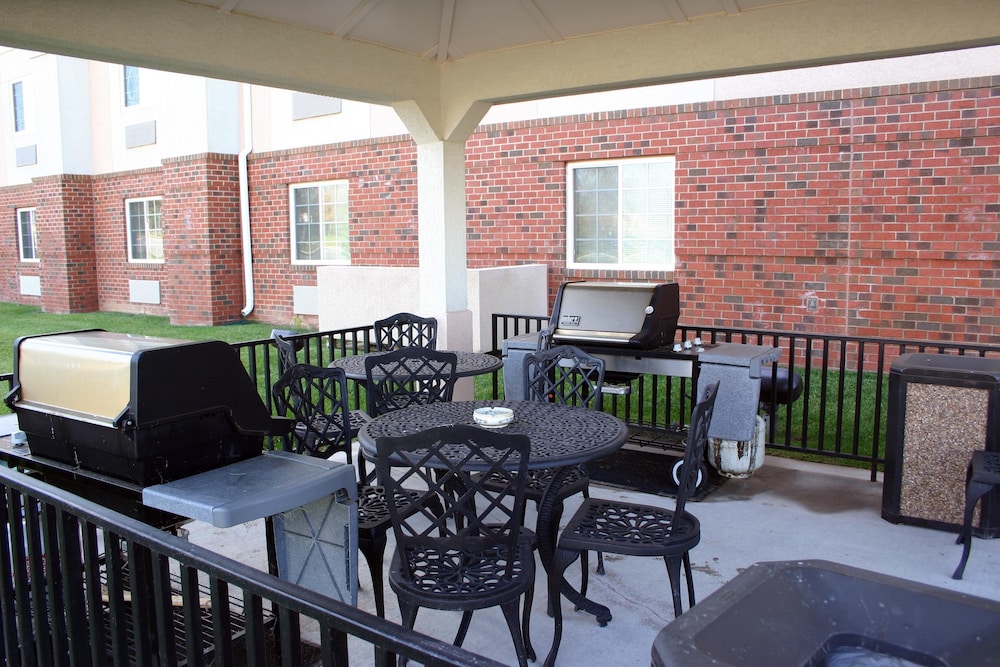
(474, 554)
(983, 476)
(633, 529)
(405, 330)
(408, 376)
(287, 349)
(316, 399)
(565, 375)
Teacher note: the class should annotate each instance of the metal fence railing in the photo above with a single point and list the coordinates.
(70, 595)
(841, 415)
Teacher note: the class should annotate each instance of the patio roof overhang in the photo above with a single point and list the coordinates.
(443, 63)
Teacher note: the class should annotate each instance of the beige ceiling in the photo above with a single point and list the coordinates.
(447, 57)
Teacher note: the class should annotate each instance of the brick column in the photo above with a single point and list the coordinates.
(64, 218)
(201, 239)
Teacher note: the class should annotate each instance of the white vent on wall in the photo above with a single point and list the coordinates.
(305, 300)
(140, 134)
(144, 291)
(31, 286)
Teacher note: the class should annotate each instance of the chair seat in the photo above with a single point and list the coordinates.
(452, 579)
(373, 510)
(629, 529)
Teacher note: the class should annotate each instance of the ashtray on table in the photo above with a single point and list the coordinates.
(493, 417)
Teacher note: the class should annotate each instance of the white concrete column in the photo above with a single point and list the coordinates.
(441, 219)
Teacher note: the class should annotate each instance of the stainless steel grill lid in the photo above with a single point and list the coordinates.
(634, 315)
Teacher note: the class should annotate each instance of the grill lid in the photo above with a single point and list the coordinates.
(634, 315)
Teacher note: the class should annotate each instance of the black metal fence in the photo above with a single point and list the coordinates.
(70, 595)
(841, 415)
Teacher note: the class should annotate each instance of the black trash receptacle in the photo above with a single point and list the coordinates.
(942, 407)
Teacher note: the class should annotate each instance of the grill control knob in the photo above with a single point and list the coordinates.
(649, 310)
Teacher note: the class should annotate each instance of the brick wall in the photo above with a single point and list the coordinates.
(880, 206)
(113, 268)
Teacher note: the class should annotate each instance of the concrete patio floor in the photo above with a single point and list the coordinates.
(788, 510)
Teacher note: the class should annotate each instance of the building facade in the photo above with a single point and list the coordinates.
(859, 201)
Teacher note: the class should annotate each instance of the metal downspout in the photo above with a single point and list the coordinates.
(246, 148)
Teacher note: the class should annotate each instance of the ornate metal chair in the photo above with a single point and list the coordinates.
(405, 330)
(287, 349)
(632, 529)
(316, 399)
(982, 477)
(408, 376)
(474, 554)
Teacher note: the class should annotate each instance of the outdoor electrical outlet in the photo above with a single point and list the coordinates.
(812, 304)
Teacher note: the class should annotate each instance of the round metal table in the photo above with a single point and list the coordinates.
(468, 364)
(561, 438)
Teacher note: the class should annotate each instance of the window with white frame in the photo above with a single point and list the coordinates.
(145, 230)
(17, 104)
(130, 84)
(620, 214)
(27, 235)
(320, 222)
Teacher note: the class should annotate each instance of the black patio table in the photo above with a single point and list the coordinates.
(562, 437)
(468, 364)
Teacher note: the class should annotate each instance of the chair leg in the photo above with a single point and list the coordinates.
(372, 548)
(600, 556)
(674, 574)
(511, 614)
(408, 618)
(529, 598)
(973, 493)
(690, 578)
(562, 559)
(463, 628)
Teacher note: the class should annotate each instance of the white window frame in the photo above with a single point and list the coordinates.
(128, 70)
(27, 216)
(668, 233)
(328, 213)
(152, 233)
(27, 115)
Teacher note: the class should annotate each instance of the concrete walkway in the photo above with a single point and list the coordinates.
(788, 510)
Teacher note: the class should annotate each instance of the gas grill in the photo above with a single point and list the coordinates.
(629, 325)
(140, 409)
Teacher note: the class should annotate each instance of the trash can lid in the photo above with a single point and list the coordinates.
(947, 366)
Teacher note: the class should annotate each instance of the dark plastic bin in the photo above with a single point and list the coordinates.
(798, 613)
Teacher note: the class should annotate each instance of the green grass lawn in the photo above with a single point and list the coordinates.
(17, 320)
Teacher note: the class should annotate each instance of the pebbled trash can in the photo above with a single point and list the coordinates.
(942, 407)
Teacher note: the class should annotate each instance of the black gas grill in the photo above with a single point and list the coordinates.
(141, 409)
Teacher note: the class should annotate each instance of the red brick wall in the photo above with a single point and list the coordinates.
(63, 219)
(11, 268)
(882, 205)
(383, 199)
(201, 230)
(110, 225)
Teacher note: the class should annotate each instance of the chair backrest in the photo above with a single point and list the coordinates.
(405, 330)
(481, 512)
(697, 441)
(286, 348)
(545, 338)
(316, 399)
(564, 374)
(408, 376)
